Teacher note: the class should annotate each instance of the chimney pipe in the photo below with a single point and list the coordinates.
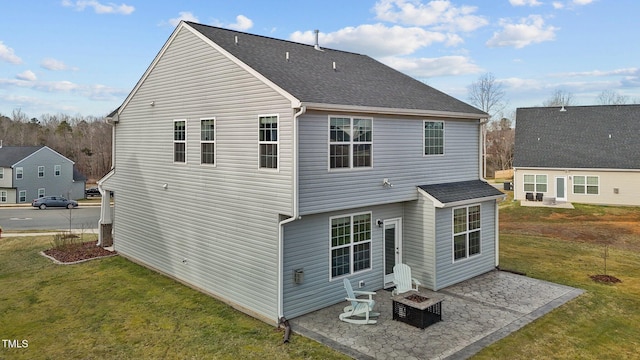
(317, 44)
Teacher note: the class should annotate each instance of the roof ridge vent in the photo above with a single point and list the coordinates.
(317, 44)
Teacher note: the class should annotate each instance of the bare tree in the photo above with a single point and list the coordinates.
(559, 98)
(500, 144)
(611, 97)
(487, 94)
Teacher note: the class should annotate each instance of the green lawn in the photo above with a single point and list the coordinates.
(114, 309)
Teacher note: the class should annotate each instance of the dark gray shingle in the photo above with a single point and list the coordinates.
(459, 191)
(599, 137)
(309, 75)
(9, 155)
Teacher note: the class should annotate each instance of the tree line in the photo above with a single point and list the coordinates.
(85, 140)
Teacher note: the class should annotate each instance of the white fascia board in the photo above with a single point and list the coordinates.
(392, 111)
(521, 168)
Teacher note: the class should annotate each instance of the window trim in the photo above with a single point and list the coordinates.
(466, 233)
(535, 183)
(350, 143)
(19, 173)
(269, 142)
(174, 142)
(424, 138)
(57, 170)
(351, 245)
(214, 142)
(586, 185)
(22, 196)
(41, 174)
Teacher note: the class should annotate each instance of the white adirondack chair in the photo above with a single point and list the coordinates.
(360, 310)
(403, 280)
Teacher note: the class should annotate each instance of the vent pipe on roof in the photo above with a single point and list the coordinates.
(562, 108)
(317, 44)
(287, 55)
(236, 39)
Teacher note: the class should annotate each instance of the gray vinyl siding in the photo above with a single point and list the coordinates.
(62, 185)
(215, 227)
(449, 272)
(418, 250)
(306, 246)
(397, 155)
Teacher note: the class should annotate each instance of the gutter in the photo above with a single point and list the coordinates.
(482, 171)
(294, 216)
(105, 201)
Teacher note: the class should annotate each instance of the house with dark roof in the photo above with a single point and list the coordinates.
(582, 154)
(263, 172)
(29, 172)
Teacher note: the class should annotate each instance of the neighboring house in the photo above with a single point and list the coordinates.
(583, 154)
(264, 171)
(29, 172)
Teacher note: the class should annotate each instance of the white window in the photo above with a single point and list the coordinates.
(41, 192)
(40, 171)
(466, 232)
(350, 143)
(3, 196)
(22, 196)
(1, 173)
(433, 137)
(350, 244)
(180, 141)
(535, 183)
(208, 141)
(589, 185)
(57, 169)
(268, 142)
(19, 173)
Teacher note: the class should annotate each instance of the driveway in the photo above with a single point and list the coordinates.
(475, 313)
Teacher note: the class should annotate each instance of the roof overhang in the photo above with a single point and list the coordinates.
(477, 191)
(393, 111)
(534, 168)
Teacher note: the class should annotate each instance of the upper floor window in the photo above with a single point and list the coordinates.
(586, 185)
(180, 141)
(350, 244)
(19, 173)
(57, 170)
(268, 141)
(434, 137)
(466, 232)
(350, 142)
(535, 183)
(207, 141)
(40, 171)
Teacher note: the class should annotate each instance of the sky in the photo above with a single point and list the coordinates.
(83, 57)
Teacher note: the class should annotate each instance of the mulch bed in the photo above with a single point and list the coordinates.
(605, 279)
(78, 252)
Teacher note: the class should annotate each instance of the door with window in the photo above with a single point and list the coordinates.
(392, 248)
(561, 188)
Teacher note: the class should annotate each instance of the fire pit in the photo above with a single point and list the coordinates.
(417, 309)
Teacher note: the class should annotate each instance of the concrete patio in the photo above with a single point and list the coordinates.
(475, 313)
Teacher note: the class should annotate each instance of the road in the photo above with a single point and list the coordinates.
(28, 218)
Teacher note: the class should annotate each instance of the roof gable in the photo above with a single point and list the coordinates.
(10, 155)
(598, 137)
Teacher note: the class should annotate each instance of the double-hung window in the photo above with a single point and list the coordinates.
(535, 183)
(350, 143)
(3, 196)
(40, 171)
(433, 137)
(57, 170)
(19, 173)
(208, 141)
(589, 185)
(268, 142)
(41, 192)
(350, 244)
(180, 141)
(466, 232)
(1, 173)
(22, 196)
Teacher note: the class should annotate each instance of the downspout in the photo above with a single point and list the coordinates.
(482, 172)
(105, 201)
(281, 224)
(497, 234)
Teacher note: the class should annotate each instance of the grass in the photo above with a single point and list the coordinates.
(114, 309)
(602, 323)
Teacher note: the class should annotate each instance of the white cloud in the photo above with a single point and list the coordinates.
(183, 15)
(615, 72)
(7, 54)
(432, 67)
(525, 2)
(99, 8)
(583, 2)
(558, 5)
(529, 30)
(27, 75)
(242, 23)
(53, 64)
(93, 91)
(440, 14)
(378, 40)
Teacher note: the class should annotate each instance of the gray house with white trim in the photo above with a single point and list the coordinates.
(583, 154)
(29, 172)
(263, 172)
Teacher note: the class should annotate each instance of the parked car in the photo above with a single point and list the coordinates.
(92, 192)
(53, 201)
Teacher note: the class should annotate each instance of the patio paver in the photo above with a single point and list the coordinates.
(475, 313)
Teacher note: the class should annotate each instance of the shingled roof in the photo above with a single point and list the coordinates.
(595, 137)
(309, 75)
(10, 155)
(457, 192)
